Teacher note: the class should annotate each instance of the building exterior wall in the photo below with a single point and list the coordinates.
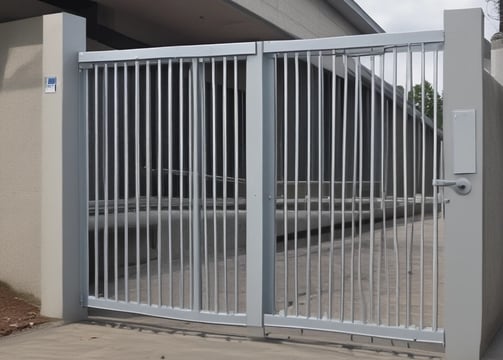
(20, 145)
(302, 19)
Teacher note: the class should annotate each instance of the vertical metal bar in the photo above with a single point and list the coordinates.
(196, 178)
(105, 184)
(386, 262)
(442, 176)
(383, 200)
(332, 184)
(96, 184)
(384, 169)
(414, 165)
(170, 180)
(148, 175)
(405, 191)
(285, 180)
(116, 186)
(296, 186)
(224, 195)
(86, 242)
(435, 194)
(343, 185)
(381, 194)
(236, 187)
(204, 186)
(353, 195)
(423, 182)
(159, 182)
(180, 195)
(277, 161)
(190, 99)
(372, 184)
(320, 170)
(363, 306)
(308, 185)
(214, 178)
(126, 185)
(277, 154)
(395, 205)
(137, 173)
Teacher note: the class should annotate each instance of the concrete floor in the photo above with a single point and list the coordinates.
(92, 341)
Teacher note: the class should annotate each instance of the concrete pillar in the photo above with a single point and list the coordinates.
(497, 57)
(463, 80)
(62, 210)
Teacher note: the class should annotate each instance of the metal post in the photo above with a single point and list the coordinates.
(260, 187)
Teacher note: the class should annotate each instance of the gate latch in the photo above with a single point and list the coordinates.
(462, 185)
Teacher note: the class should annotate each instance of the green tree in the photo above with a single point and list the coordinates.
(416, 97)
(495, 12)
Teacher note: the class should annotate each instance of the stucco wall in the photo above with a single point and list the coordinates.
(20, 106)
(492, 313)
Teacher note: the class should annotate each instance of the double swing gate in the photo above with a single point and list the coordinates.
(282, 184)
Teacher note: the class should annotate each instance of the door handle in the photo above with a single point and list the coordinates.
(462, 185)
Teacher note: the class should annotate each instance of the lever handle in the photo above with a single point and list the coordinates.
(444, 182)
(462, 185)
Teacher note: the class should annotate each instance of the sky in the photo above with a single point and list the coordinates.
(417, 15)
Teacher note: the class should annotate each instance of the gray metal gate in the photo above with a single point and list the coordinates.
(358, 237)
(279, 184)
(166, 181)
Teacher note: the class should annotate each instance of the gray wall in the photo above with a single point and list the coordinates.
(492, 310)
(20, 145)
(318, 18)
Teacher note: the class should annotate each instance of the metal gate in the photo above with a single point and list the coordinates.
(166, 181)
(284, 183)
(358, 237)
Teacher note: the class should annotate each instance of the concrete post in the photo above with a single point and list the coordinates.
(463, 79)
(63, 180)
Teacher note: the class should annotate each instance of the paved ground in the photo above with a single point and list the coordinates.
(92, 341)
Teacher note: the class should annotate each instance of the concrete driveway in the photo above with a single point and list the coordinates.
(101, 341)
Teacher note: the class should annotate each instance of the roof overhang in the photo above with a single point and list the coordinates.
(356, 16)
(123, 24)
